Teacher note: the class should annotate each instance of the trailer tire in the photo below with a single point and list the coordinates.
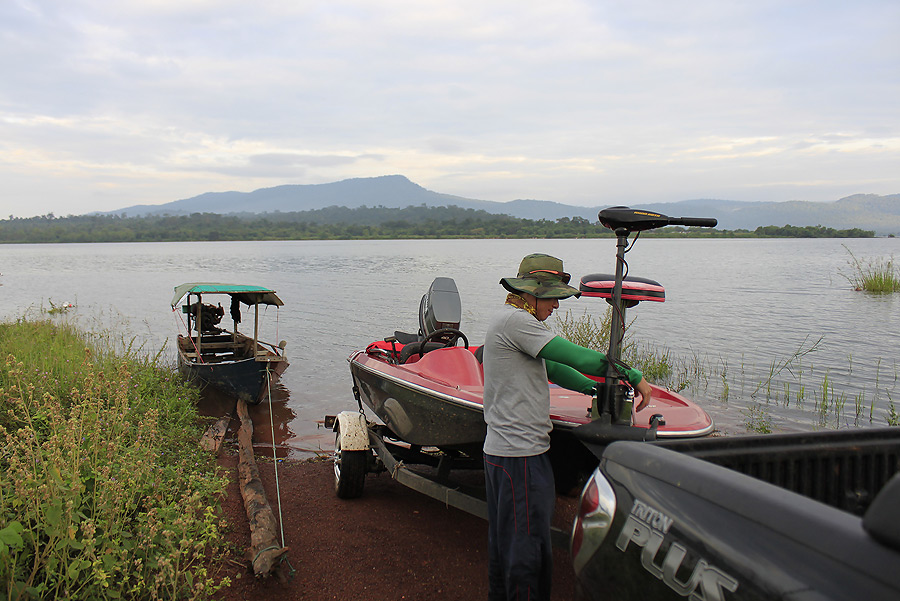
(349, 470)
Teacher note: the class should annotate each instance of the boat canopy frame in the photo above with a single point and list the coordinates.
(246, 294)
(252, 296)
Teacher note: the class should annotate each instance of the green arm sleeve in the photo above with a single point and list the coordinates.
(582, 359)
(568, 377)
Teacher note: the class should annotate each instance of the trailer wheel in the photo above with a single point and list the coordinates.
(349, 471)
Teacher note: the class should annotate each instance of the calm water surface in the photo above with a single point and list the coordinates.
(735, 308)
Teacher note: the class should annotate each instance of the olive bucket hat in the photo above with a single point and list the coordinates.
(541, 276)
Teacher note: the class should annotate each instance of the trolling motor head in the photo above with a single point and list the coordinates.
(637, 220)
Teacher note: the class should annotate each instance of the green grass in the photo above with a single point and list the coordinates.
(893, 416)
(104, 492)
(758, 419)
(590, 332)
(584, 330)
(878, 276)
(791, 382)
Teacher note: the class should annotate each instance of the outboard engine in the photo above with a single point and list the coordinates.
(210, 316)
(440, 308)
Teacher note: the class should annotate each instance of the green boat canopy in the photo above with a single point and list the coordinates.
(249, 295)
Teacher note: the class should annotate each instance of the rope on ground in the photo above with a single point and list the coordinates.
(275, 462)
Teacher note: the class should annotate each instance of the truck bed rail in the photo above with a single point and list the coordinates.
(842, 468)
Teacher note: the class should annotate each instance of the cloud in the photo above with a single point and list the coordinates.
(104, 106)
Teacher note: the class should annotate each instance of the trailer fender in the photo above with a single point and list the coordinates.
(353, 431)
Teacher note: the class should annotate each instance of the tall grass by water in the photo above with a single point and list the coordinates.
(876, 275)
(590, 332)
(104, 492)
(826, 397)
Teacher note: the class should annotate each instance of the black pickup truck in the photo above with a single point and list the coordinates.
(794, 517)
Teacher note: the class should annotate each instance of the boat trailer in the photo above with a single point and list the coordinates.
(363, 447)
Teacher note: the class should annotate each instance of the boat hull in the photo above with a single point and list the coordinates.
(416, 413)
(246, 377)
(438, 401)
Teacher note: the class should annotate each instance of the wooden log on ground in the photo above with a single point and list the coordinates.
(266, 553)
(215, 434)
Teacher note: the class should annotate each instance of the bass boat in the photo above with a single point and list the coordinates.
(240, 365)
(427, 387)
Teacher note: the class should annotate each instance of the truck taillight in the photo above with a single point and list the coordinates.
(589, 500)
(595, 515)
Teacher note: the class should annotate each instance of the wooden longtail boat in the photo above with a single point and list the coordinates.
(238, 364)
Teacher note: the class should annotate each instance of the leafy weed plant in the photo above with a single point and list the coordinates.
(104, 493)
(586, 330)
(893, 416)
(758, 419)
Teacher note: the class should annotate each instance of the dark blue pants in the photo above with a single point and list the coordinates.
(521, 497)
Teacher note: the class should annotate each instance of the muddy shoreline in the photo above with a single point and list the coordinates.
(393, 543)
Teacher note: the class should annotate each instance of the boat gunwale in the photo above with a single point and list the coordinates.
(418, 388)
(471, 405)
(270, 348)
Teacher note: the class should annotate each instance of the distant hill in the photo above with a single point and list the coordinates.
(392, 191)
(866, 211)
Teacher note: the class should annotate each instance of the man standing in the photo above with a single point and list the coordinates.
(520, 355)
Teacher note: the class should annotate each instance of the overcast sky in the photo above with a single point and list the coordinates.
(106, 104)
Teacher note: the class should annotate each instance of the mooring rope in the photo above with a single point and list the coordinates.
(189, 337)
(275, 461)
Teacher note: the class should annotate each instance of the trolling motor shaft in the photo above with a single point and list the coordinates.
(614, 399)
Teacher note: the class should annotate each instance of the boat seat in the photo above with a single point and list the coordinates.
(405, 338)
(217, 338)
(411, 352)
(454, 364)
(218, 345)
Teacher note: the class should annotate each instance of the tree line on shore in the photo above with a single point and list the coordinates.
(341, 223)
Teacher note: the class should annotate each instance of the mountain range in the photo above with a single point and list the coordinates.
(866, 211)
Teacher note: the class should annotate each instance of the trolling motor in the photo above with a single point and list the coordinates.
(612, 405)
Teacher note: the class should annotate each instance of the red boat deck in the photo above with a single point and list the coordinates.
(455, 372)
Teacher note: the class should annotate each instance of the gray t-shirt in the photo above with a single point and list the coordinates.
(516, 392)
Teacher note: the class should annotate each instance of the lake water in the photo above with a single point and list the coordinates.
(735, 311)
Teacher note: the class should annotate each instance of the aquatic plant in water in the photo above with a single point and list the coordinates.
(879, 276)
(589, 332)
(758, 419)
(788, 381)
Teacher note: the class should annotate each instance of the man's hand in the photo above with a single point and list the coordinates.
(643, 388)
